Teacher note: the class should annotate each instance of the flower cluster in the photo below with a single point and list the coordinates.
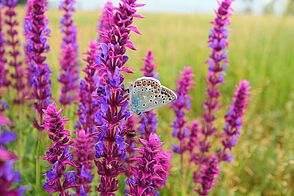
(151, 169)
(208, 174)
(218, 42)
(148, 121)
(69, 63)
(111, 61)
(84, 149)
(234, 120)
(106, 22)
(181, 106)
(4, 81)
(58, 154)
(18, 76)
(89, 105)
(38, 70)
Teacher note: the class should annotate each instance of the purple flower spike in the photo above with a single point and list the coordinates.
(218, 42)
(181, 106)
(194, 136)
(18, 75)
(234, 120)
(69, 62)
(57, 155)
(148, 121)
(38, 70)
(106, 22)
(207, 176)
(3, 69)
(84, 153)
(111, 60)
(151, 169)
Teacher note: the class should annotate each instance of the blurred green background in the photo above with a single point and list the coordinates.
(261, 50)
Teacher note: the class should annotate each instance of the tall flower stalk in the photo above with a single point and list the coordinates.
(4, 81)
(111, 145)
(148, 121)
(151, 168)
(181, 106)
(12, 40)
(37, 33)
(105, 23)
(218, 42)
(234, 120)
(69, 62)
(58, 180)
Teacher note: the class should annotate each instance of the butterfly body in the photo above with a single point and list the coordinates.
(146, 93)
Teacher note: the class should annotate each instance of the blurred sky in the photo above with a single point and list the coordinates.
(188, 6)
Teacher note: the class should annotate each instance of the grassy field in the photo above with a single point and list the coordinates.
(261, 51)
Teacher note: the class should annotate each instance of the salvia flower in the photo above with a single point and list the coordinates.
(207, 177)
(151, 169)
(234, 119)
(218, 42)
(194, 136)
(4, 81)
(84, 149)
(106, 21)
(18, 75)
(69, 63)
(38, 70)
(148, 121)
(180, 107)
(89, 105)
(57, 155)
(111, 145)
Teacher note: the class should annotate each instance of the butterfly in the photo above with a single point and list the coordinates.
(146, 93)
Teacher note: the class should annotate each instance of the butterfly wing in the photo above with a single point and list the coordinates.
(142, 93)
(162, 98)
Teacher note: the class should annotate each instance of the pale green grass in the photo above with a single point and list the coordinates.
(261, 50)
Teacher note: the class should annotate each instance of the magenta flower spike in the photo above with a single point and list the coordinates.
(218, 42)
(89, 105)
(38, 70)
(110, 148)
(207, 177)
(69, 62)
(106, 22)
(12, 40)
(4, 81)
(194, 136)
(234, 120)
(84, 152)
(130, 132)
(148, 121)
(151, 169)
(180, 107)
(58, 180)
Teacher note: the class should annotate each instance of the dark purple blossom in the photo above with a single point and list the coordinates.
(4, 81)
(151, 169)
(57, 155)
(218, 42)
(111, 145)
(194, 136)
(207, 176)
(38, 70)
(69, 62)
(180, 107)
(148, 121)
(12, 40)
(106, 22)
(234, 120)
(89, 118)
(8, 177)
(84, 149)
